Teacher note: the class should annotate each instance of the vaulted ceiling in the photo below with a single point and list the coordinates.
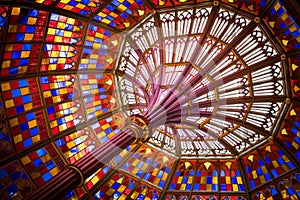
(72, 71)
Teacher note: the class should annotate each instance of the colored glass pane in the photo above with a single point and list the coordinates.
(20, 96)
(256, 170)
(252, 6)
(276, 161)
(124, 154)
(28, 129)
(64, 116)
(204, 197)
(295, 68)
(100, 49)
(96, 84)
(143, 192)
(98, 94)
(64, 29)
(206, 177)
(159, 170)
(105, 129)
(76, 145)
(26, 24)
(59, 57)
(71, 195)
(14, 183)
(40, 166)
(177, 196)
(289, 187)
(290, 132)
(75, 194)
(20, 59)
(96, 177)
(295, 181)
(161, 3)
(184, 175)
(82, 7)
(118, 187)
(120, 13)
(279, 18)
(230, 177)
(3, 20)
(268, 193)
(140, 161)
(58, 88)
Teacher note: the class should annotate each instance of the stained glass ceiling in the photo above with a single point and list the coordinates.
(72, 71)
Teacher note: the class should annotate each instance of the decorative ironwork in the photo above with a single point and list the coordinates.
(216, 90)
(210, 89)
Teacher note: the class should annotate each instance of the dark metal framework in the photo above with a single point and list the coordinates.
(217, 79)
(209, 61)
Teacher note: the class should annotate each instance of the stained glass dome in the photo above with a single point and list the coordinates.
(215, 83)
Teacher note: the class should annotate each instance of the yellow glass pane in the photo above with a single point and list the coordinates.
(25, 160)
(18, 138)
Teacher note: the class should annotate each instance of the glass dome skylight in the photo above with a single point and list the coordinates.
(218, 80)
(232, 90)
